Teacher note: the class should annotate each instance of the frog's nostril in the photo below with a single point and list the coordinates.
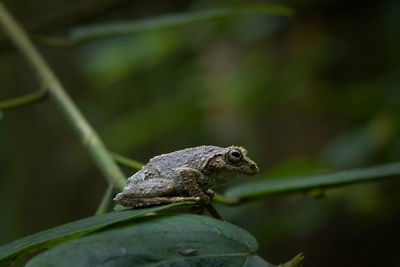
(251, 168)
(254, 167)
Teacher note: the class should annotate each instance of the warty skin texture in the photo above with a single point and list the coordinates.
(185, 175)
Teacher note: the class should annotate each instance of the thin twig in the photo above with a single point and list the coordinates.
(106, 200)
(226, 200)
(25, 99)
(87, 134)
(127, 162)
(295, 262)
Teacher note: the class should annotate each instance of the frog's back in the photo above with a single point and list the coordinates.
(164, 166)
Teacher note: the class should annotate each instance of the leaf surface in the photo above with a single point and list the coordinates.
(62, 233)
(172, 240)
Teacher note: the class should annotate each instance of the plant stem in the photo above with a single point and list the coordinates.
(57, 93)
(226, 200)
(295, 262)
(23, 100)
(105, 201)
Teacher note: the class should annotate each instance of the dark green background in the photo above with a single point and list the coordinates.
(312, 93)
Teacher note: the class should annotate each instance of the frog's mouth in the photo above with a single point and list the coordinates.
(249, 167)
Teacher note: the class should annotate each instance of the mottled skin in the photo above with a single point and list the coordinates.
(185, 175)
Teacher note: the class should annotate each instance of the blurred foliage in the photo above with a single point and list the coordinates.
(314, 92)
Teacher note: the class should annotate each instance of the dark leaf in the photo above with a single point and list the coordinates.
(159, 241)
(62, 233)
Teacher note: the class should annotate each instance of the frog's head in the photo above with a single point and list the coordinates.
(234, 160)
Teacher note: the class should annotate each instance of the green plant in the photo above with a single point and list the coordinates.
(127, 228)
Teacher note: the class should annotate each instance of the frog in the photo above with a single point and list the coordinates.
(185, 175)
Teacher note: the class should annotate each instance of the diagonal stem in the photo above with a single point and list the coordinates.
(57, 93)
(106, 200)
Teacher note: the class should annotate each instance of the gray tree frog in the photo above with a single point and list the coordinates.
(185, 175)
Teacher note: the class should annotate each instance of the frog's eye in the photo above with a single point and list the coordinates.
(235, 156)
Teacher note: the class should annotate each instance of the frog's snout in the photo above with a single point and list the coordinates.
(251, 168)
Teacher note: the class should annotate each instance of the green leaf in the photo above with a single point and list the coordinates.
(264, 188)
(85, 33)
(62, 233)
(173, 240)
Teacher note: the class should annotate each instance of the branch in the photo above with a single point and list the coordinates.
(88, 136)
(25, 99)
(105, 201)
(226, 200)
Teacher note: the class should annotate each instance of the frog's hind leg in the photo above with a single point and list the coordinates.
(156, 187)
(150, 192)
(152, 201)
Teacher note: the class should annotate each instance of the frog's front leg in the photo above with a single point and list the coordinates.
(210, 193)
(189, 178)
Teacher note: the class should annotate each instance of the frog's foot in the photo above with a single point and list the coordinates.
(210, 193)
(142, 202)
(189, 178)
